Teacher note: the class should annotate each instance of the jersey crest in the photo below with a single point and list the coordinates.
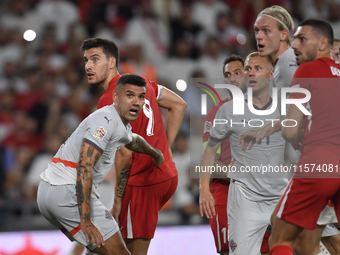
(207, 126)
(100, 133)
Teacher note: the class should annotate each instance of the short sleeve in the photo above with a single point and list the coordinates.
(221, 127)
(99, 130)
(302, 79)
(208, 123)
(158, 89)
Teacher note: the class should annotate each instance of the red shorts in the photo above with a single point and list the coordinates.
(219, 227)
(219, 223)
(139, 215)
(265, 242)
(305, 198)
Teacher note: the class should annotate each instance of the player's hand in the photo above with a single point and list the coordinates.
(248, 138)
(207, 204)
(92, 233)
(116, 209)
(159, 160)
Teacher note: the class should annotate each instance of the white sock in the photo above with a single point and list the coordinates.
(323, 250)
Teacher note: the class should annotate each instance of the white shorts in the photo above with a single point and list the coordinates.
(327, 216)
(58, 204)
(247, 222)
(107, 193)
(330, 230)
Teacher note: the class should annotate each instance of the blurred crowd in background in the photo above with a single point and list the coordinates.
(44, 93)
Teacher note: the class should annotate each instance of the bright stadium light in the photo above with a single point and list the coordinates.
(181, 85)
(29, 35)
(241, 39)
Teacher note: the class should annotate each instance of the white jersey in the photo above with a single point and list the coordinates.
(249, 166)
(103, 130)
(284, 70)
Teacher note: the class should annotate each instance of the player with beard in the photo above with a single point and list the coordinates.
(308, 193)
(141, 190)
(67, 194)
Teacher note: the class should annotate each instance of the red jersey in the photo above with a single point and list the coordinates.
(150, 126)
(216, 189)
(321, 142)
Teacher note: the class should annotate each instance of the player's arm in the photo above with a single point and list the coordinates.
(218, 162)
(248, 138)
(294, 134)
(139, 145)
(207, 202)
(176, 108)
(123, 162)
(89, 156)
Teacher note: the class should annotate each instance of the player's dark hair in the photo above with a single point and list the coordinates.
(233, 58)
(110, 49)
(322, 27)
(336, 40)
(131, 79)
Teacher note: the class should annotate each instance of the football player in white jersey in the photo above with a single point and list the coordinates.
(67, 195)
(253, 193)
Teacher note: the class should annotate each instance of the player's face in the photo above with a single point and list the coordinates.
(257, 73)
(129, 101)
(267, 35)
(335, 51)
(234, 74)
(97, 65)
(305, 44)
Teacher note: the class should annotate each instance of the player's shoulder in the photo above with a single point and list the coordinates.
(320, 68)
(226, 107)
(320, 62)
(150, 85)
(212, 112)
(107, 114)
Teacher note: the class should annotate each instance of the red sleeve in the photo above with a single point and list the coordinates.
(209, 122)
(302, 79)
(154, 85)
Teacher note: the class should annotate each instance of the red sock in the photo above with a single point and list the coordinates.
(281, 250)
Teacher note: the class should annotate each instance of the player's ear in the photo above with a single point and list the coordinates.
(284, 34)
(323, 44)
(112, 62)
(115, 96)
(271, 75)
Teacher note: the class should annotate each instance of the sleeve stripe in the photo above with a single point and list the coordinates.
(160, 91)
(216, 140)
(93, 145)
(219, 148)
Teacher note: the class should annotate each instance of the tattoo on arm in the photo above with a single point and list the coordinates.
(122, 181)
(90, 152)
(85, 180)
(139, 145)
(211, 143)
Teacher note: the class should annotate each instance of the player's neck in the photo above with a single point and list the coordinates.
(106, 83)
(261, 98)
(323, 54)
(125, 122)
(283, 47)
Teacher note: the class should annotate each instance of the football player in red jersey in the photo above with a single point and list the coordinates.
(305, 196)
(141, 190)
